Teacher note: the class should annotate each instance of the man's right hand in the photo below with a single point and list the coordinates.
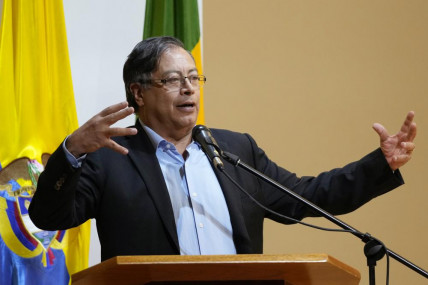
(97, 132)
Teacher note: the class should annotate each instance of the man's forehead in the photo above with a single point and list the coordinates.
(176, 60)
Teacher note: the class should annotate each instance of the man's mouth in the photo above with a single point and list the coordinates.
(186, 105)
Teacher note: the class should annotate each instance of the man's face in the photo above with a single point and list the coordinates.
(167, 110)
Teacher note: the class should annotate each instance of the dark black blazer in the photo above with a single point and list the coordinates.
(127, 195)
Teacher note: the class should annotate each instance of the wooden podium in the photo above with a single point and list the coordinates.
(251, 269)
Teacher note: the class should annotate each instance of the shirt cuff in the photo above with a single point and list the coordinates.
(75, 162)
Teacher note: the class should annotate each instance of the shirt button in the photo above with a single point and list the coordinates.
(194, 194)
(201, 225)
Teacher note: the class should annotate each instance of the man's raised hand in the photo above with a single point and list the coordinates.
(398, 148)
(97, 132)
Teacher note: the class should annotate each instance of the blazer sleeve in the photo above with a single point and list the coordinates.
(338, 191)
(56, 204)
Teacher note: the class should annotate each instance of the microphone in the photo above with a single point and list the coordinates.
(203, 136)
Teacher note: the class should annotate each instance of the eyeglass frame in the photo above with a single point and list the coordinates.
(201, 79)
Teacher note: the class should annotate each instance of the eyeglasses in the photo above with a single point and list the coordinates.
(176, 82)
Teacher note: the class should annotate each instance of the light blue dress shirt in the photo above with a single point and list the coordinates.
(200, 211)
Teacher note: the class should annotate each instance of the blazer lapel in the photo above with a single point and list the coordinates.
(143, 155)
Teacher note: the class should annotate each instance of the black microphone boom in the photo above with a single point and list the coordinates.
(203, 136)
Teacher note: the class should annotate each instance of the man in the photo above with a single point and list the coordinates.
(153, 191)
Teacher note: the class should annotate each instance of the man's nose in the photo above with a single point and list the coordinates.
(186, 87)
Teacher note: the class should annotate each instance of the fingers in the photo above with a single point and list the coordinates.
(118, 148)
(398, 148)
(407, 132)
(119, 115)
(112, 115)
(403, 156)
(408, 147)
(381, 131)
(97, 132)
(105, 139)
(409, 127)
(115, 113)
(399, 160)
(409, 118)
(117, 132)
(412, 132)
(113, 108)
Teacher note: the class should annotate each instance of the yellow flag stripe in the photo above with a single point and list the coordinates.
(197, 55)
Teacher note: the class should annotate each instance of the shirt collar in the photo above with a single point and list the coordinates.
(153, 136)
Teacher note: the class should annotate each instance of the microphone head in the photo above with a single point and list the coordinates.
(197, 130)
(203, 136)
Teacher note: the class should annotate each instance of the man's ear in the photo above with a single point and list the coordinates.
(137, 91)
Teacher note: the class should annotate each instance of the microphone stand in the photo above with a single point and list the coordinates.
(374, 249)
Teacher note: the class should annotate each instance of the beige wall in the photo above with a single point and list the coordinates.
(308, 79)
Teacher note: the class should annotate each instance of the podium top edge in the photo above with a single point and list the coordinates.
(242, 258)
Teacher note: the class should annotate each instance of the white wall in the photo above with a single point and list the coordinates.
(101, 34)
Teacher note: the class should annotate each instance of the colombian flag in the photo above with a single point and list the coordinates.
(180, 19)
(37, 108)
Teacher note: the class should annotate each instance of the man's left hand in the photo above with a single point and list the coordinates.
(398, 148)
